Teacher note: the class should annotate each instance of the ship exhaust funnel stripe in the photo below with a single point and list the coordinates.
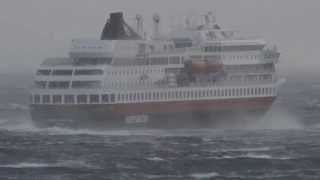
(117, 29)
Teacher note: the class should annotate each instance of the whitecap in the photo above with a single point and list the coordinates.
(250, 156)
(155, 159)
(26, 165)
(204, 175)
(62, 164)
(258, 156)
(257, 149)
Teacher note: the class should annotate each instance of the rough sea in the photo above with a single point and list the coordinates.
(284, 145)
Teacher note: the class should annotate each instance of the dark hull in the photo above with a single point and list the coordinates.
(212, 113)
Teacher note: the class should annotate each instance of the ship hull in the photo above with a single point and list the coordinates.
(213, 113)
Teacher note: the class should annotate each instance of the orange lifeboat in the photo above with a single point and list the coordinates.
(199, 66)
(202, 66)
(215, 67)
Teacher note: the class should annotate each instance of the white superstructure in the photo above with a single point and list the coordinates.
(196, 63)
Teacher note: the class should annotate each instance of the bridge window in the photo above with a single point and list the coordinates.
(44, 72)
(62, 72)
(88, 72)
(41, 84)
(59, 85)
(86, 84)
(69, 99)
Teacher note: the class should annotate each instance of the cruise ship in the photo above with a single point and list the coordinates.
(198, 74)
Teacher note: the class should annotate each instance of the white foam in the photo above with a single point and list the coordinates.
(64, 164)
(25, 125)
(251, 156)
(258, 149)
(26, 165)
(204, 175)
(155, 159)
(258, 156)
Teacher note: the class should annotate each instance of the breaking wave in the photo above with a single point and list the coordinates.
(258, 149)
(204, 175)
(64, 164)
(155, 159)
(252, 156)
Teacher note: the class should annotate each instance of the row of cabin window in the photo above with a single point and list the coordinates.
(239, 57)
(219, 48)
(166, 60)
(195, 94)
(80, 72)
(133, 97)
(134, 72)
(249, 68)
(250, 78)
(66, 84)
(217, 58)
(73, 99)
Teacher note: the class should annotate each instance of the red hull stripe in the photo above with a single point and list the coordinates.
(185, 106)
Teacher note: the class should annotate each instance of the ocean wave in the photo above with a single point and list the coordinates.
(26, 165)
(257, 149)
(251, 156)
(65, 164)
(26, 125)
(204, 175)
(155, 159)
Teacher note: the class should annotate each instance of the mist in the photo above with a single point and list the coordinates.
(36, 29)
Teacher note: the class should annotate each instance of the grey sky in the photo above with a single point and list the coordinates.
(32, 30)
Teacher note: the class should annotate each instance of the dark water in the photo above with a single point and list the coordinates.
(284, 145)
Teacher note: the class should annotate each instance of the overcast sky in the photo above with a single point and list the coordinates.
(32, 30)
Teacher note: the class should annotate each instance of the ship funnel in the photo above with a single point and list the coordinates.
(117, 29)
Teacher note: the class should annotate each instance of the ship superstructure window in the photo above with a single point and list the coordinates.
(174, 60)
(44, 72)
(46, 99)
(36, 99)
(41, 84)
(113, 98)
(82, 99)
(159, 61)
(59, 84)
(266, 77)
(213, 49)
(84, 72)
(182, 42)
(57, 99)
(86, 84)
(69, 99)
(94, 99)
(92, 61)
(62, 72)
(105, 98)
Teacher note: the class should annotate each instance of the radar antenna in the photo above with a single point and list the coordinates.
(156, 21)
(139, 20)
